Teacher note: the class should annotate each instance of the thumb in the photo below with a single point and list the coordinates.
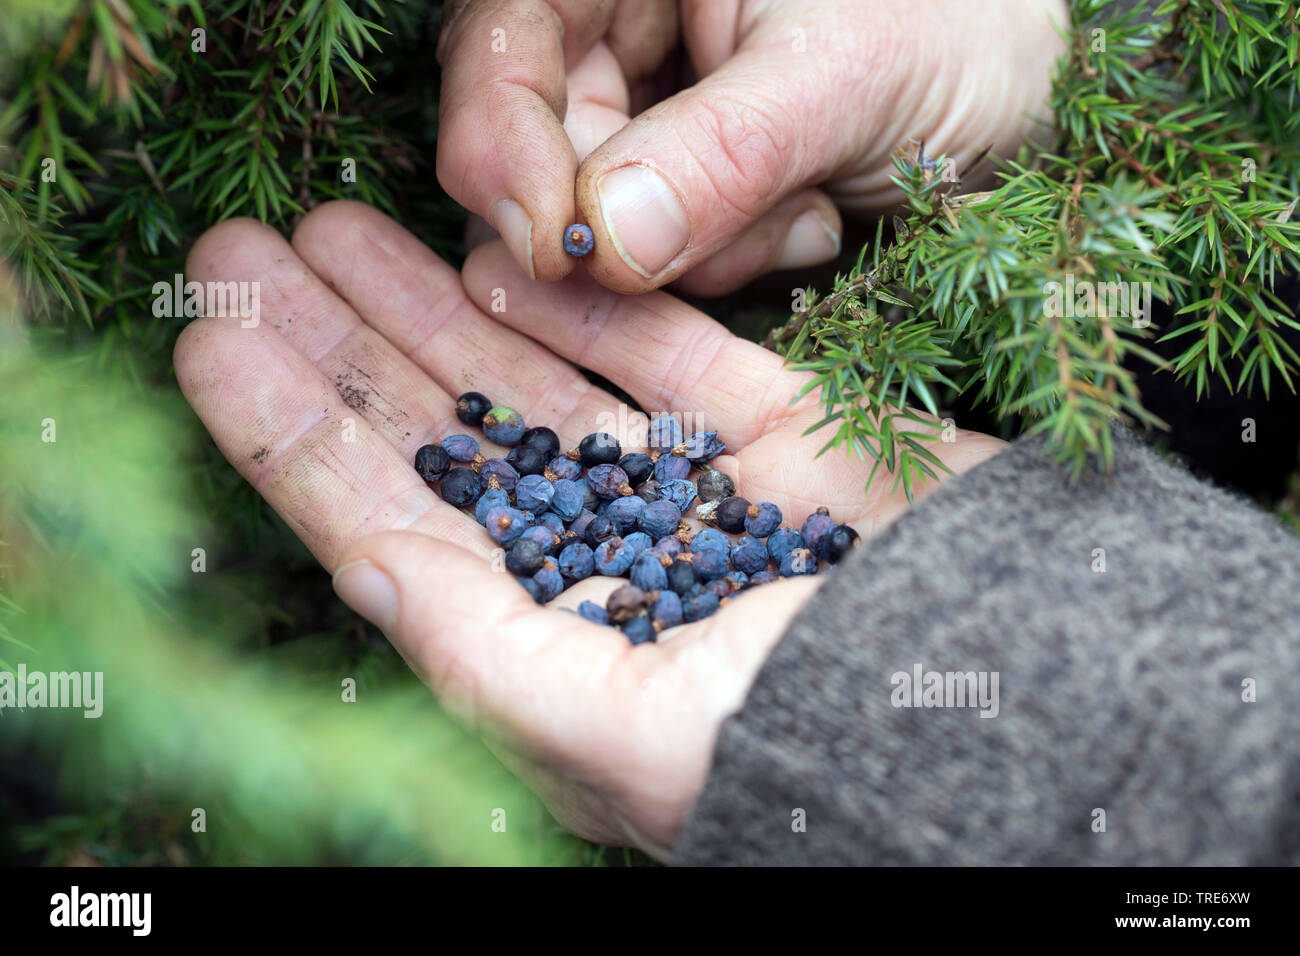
(468, 630)
(689, 176)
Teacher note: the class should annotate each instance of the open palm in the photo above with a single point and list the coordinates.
(365, 340)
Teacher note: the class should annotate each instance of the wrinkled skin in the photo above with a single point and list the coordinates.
(798, 110)
(365, 340)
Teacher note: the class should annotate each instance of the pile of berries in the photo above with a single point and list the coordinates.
(564, 516)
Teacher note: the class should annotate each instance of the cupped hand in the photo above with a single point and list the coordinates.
(798, 108)
(364, 341)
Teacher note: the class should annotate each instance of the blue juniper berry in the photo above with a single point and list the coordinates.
(709, 563)
(647, 573)
(762, 519)
(599, 448)
(648, 490)
(561, 467)
(749, 554)
(589, 499)
(502, 471)
(551, 521)
(505, 524)
(492, 498)
(702, 446)
(670, 545)
(638, 541)
(525, 558)
(579, 524)
(593, 612)
(737, 579)
(577, 561)
(781, 542)
(679, 491)
(625, 512)
(527, 460)
(840, 542)
(432, 462)
(710, 538)
(578, 240)
(614, 557)
(816, 529)
(599, 529)
(699, 605)
(682, 577)
(547, 539)
(666, 612)
(543, 439)
(714, 485)
(460, 487)
(471, 407)
(668, 467)
(534, 493)
(549, 582)
(797, 562)
(730, 514)
(639, 630)
(504, 425)
(608, 481)
(664, 433)
(460, 447)
(566, 500)
(637, 466)
(659, 519)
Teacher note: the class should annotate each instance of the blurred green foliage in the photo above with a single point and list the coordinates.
(223, 688)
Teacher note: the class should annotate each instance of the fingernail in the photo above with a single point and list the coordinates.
(810, 240)
(514, 226)
(644, 216)
(368, 591)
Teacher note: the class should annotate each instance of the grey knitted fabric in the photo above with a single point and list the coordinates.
(1119, 691)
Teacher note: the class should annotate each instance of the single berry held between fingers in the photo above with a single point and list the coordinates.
(578, 240)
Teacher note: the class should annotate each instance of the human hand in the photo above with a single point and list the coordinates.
(798, 110)
(365, 340)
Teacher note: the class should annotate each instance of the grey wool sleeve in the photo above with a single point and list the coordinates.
(1143, 630)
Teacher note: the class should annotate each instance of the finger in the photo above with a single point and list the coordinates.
(641, 34)
(373, 378)
(598, 101)
(539, 679)
(416, 304)
(687, 177)
(573, 699)
(503, 99)
(331, 477)
(800, 231)
(668, 356)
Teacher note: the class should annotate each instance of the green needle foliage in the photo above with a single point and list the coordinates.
(1176, 168)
